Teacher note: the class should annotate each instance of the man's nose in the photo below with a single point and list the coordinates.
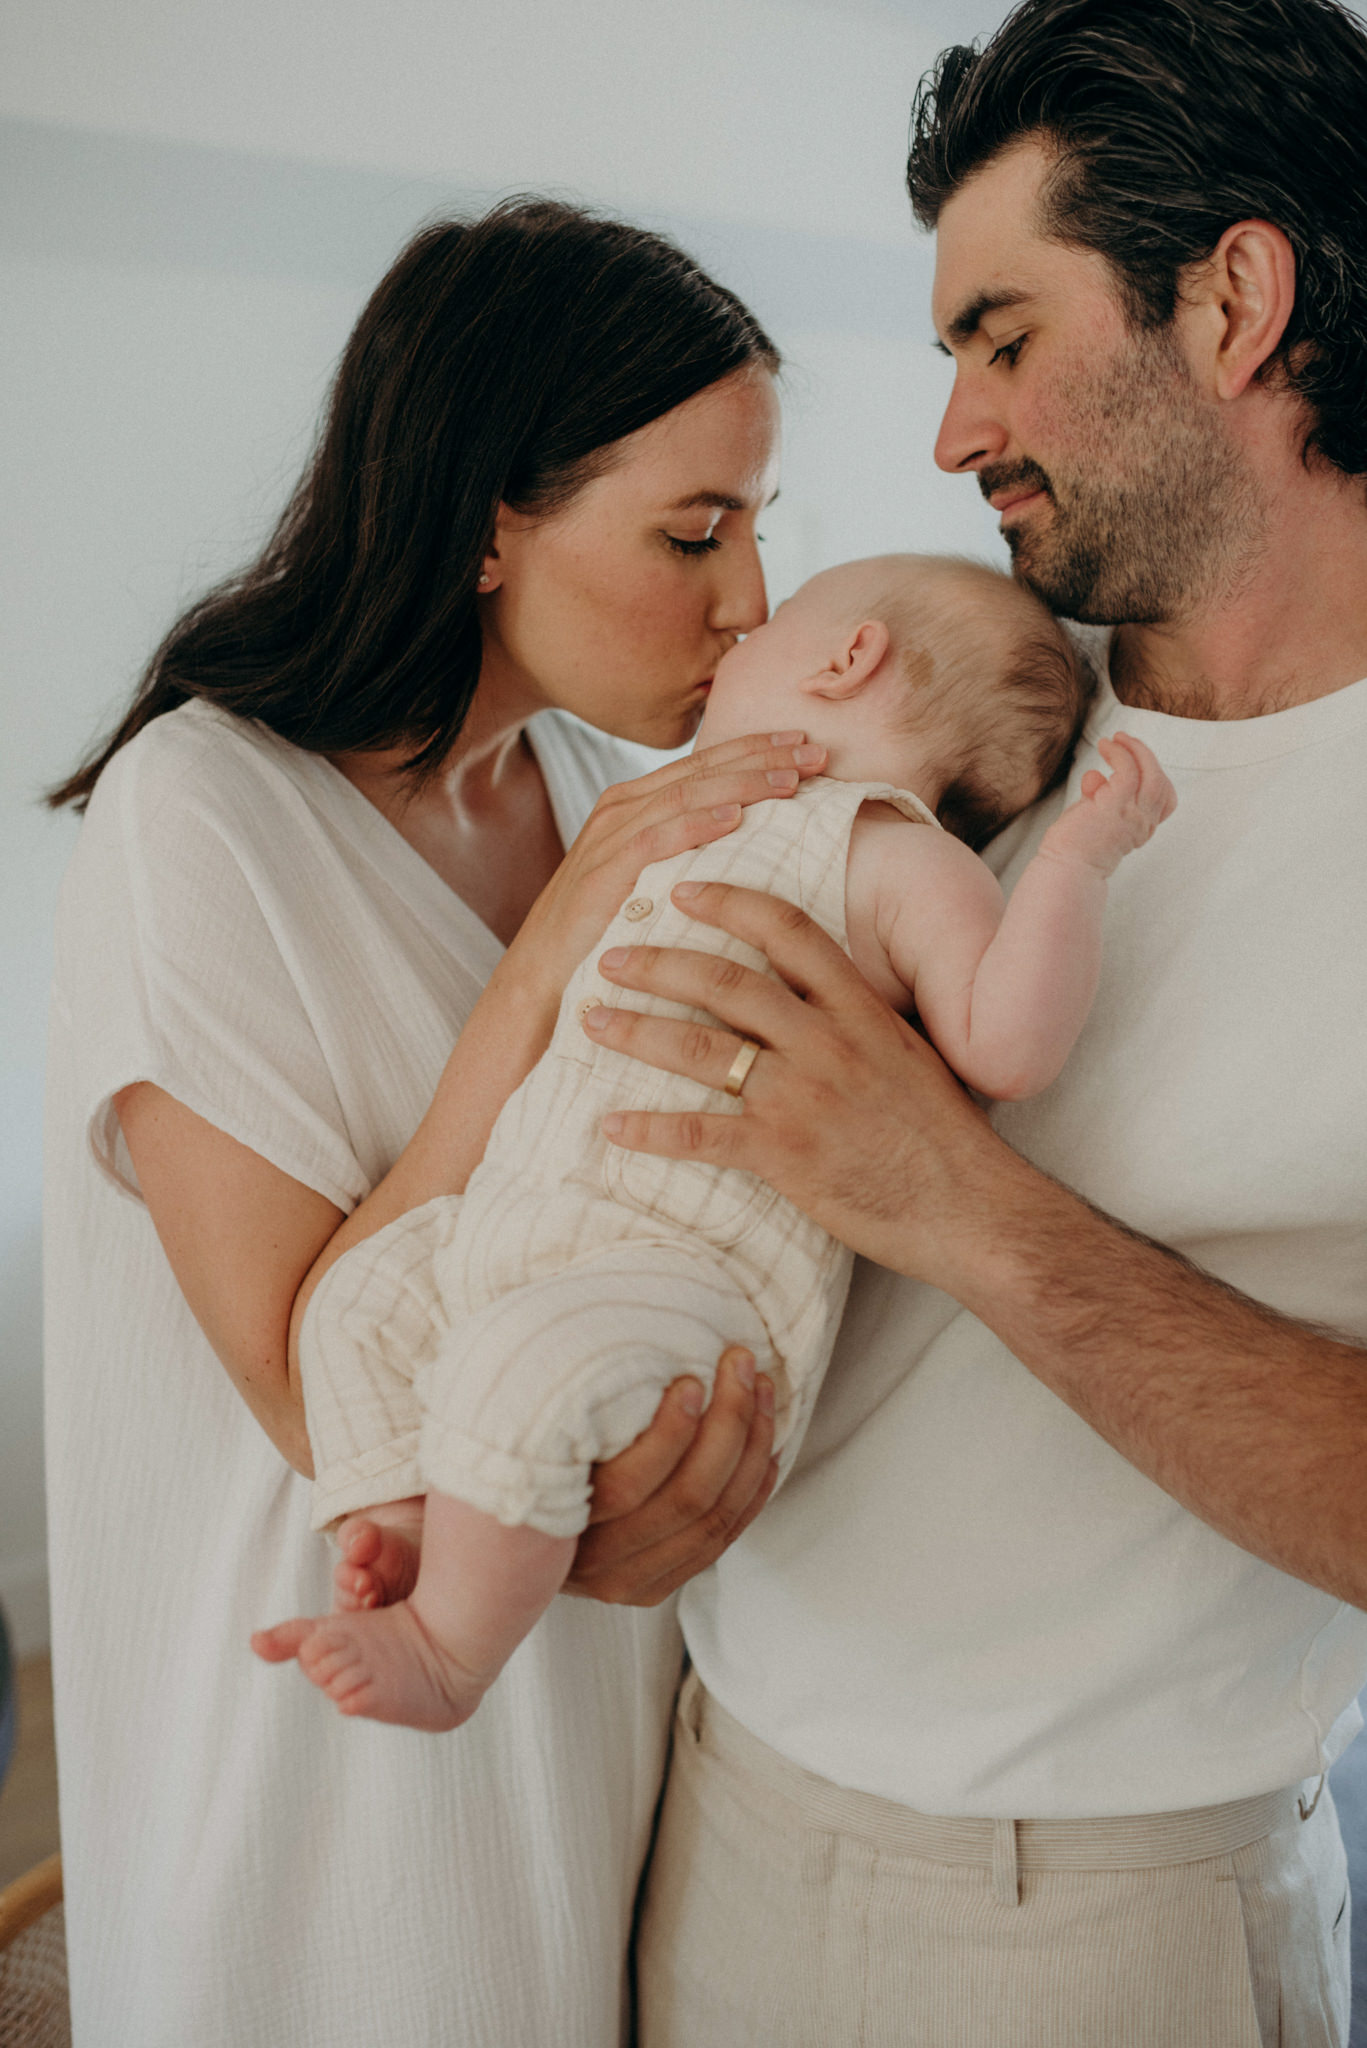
(970, 433)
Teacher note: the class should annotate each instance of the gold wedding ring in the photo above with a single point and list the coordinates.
(740, 1066)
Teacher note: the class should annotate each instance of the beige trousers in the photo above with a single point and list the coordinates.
(783, 1912)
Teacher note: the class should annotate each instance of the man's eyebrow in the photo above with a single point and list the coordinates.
(969, 318)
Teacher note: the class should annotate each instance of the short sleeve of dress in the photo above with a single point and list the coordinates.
(174, 963)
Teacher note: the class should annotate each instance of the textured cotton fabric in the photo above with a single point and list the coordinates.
(546, 1310)
(782, 1912)
(245, 1868)
(963, 1599)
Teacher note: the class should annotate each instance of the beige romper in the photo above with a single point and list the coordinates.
(541, 1316)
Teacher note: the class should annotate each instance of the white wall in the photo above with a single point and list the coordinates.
(193, 202)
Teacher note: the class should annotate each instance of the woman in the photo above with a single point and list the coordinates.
(324, 817)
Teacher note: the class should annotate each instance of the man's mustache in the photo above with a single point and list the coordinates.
(1013, 476)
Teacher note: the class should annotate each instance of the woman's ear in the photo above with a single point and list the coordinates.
(509, 529)
(1239, 303)
(860, 657)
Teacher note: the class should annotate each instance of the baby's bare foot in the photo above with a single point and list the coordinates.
(381, 1550)
(383, 1665)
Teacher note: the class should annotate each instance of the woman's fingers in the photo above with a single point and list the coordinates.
(775, 774)
(743, 772)
(755, 750)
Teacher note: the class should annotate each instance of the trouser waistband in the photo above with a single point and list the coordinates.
(1137, 1841)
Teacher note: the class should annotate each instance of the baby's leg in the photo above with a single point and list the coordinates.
(427, 1661)
(532, 1389)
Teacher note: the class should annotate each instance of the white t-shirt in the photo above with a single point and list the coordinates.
(244, 1867)
(964, 1599)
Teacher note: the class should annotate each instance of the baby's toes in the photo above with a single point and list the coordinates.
(287, 1639)
(328, 1656)
(360, 1540)
(355, 1588)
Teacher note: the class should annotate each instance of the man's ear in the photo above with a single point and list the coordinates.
(860, 655)
(1239, 303)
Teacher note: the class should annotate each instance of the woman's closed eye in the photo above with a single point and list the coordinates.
(693, 547)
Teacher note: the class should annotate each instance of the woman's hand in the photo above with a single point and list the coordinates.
(685, 804)
(669, 1505)
(846, 1110)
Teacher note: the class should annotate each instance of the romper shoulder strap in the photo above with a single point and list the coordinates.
(831, 808)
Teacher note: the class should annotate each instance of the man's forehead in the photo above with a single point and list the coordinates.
(988, 250)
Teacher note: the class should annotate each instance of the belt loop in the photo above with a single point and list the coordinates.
(1006, 1879)
(1304, 1810)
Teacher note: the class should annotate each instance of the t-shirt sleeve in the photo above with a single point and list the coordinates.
(174, 962)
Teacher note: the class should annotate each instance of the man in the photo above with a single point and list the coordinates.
(1012, 1710)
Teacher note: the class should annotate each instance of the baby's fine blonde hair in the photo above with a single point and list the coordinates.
(990, 675)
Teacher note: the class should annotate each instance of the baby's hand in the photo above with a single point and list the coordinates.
(380, 1553)
(1115, 813)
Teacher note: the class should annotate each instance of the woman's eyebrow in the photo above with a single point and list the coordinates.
(722, 501)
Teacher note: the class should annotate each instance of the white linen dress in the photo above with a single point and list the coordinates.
(244, 1867)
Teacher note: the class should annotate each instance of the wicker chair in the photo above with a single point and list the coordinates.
(34, 2012)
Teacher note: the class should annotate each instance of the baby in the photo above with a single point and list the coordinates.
(548, 1308)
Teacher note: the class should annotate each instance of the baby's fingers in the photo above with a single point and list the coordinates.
(1156, 794)
(1125, 763)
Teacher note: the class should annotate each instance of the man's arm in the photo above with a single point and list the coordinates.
(1255, 1423)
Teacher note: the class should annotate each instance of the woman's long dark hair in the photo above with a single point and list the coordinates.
(496, 363)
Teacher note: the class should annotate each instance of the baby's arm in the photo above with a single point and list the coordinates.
(428, 1661)
(1004, 989)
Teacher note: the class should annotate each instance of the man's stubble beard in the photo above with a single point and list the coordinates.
(1167, 516)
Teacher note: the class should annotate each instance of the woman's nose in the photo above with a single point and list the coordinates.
(742, 602)
(970, 433)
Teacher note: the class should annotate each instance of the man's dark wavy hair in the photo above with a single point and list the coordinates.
(1173, 119)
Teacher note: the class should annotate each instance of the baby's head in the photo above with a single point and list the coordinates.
(933, 673)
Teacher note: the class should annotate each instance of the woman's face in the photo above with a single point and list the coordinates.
(619, 607)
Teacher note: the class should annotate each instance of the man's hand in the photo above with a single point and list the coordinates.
(846, 1110)
(669, 1505)
(1255, 1423)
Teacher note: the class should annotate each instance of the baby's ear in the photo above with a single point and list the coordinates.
(858, 660)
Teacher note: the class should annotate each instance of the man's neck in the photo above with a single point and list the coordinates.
(1294, 629)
